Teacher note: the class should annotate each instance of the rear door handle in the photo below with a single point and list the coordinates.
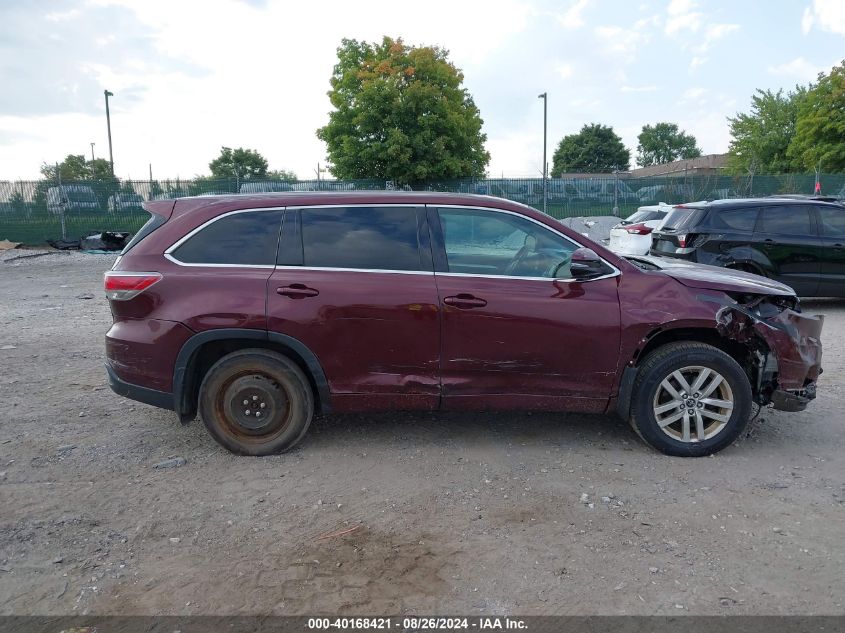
(464, 301)
(297, 291)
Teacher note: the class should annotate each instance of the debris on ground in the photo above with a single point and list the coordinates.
(174, 462)
(105, 241)
(6, 245)
(85, 295)
(31, 255)
(64, 245)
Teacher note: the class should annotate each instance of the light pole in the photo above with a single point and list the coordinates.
(545, 98)
(108, 126)
(92, 154)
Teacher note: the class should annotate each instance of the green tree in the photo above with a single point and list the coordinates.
(282, 174)
(760, 139)
(74, 168)
(155, 189)
(17, 202)
(401, 114)
(663, 143)
(240, 164)
(595, 149)
(820, 126)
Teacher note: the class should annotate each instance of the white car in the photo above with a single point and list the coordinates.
(632, 236)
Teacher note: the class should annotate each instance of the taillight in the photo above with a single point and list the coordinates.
(638, 229)
(682, 240)
(121, 286)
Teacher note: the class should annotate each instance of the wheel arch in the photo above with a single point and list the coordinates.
(202, 350)
(741, 352)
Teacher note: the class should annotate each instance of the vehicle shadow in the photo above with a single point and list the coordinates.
(420, 429)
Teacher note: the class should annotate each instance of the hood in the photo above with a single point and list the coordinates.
(712, 277)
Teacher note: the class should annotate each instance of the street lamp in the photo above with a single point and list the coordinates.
(108, 126)
(545, 98)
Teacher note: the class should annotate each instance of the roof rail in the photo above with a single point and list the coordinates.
(801, 196)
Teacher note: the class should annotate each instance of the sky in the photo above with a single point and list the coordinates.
(189, 77)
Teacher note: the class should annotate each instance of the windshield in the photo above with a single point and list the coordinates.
(644, 216)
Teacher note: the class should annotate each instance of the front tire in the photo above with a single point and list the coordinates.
(690, 400)
(256, 402)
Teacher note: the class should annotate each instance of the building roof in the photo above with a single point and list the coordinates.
(708, 162)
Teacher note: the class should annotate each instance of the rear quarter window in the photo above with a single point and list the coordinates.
(244, 238)
(683, 218)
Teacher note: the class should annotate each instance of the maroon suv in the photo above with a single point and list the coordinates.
(258, 311)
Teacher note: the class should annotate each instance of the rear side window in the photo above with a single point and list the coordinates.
(246, 238)
(741, 219)
(832, 221)
(369, 238)
(787, 220)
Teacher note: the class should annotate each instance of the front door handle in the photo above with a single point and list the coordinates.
(297, 291)
(464, 301)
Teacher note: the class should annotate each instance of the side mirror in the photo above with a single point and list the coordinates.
(586, 264)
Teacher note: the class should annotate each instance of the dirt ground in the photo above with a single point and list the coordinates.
(444, 514)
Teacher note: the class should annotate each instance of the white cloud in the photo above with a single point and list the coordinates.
(565, 70)
(683, 19)
(638, 88)
(692, 94)
(621, 42)
(798, 68)
(573, 17)
(807, 20)
(827, 15)
(682, 16)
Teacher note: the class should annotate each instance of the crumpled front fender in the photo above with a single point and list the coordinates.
(792, 337)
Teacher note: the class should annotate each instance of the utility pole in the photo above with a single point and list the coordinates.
(108, 94)
(92, 155)
(62, 198)
(545, 98)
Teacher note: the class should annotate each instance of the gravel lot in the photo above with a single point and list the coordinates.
(471, 513)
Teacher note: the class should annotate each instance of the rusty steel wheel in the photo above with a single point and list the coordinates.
(256, 402)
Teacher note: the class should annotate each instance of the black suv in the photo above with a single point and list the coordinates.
(799, 241)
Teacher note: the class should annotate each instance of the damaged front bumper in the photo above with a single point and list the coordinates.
(785, 343)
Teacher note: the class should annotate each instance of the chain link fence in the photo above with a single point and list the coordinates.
(33, 212)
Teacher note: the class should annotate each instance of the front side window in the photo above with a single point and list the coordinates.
(369, 238)
(240, 239)
(492, 243)
(787, 220)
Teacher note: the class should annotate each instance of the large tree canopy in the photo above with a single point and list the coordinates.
(820, 126)
(760, 139)
(240, 163)
(595, 149)
(75, 167)
(663, 143)
(401, 114)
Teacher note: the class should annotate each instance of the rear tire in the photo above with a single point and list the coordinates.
(690, 400)
(256, 402)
